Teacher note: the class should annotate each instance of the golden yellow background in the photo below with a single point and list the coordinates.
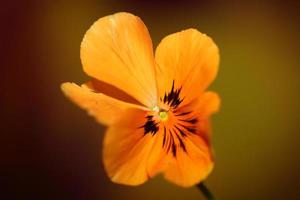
(50, 149)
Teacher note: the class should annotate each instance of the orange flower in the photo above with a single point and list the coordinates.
(164, 126)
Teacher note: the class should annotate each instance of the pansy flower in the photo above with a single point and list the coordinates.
(155, 106)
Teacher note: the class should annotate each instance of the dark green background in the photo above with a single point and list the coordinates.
(50, 149)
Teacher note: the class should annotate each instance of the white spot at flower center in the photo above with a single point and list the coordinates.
(155, 109)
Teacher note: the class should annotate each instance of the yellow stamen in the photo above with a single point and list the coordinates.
(163, 115)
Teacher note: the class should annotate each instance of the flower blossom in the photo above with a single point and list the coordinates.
(154, 105)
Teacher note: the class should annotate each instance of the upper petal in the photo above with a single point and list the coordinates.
(117, 49)
(188, 58)
(105, 109)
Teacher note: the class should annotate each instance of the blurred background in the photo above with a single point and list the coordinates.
(50, 149)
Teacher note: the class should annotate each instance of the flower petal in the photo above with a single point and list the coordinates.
(109, 90)
(157, 161)
(190, 59)
(190, 166)
(117, 49)
(205, 105)
(105, 109)
(127, 149)
(198, 113)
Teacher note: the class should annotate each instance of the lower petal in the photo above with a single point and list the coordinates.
(127, 149)
(157, 162)
(191, 166)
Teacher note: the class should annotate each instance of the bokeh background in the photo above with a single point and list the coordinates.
(50, 149)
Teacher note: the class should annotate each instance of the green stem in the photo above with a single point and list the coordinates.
(205, 191)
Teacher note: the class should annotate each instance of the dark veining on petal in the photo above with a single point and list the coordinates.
(193, 120)
(172, 144)
(181, 143)
(150, 126)
(182, 127)
(170, 141)
(183, 113)
(172, 98)
(191, 129)
(164, 140)
(182, 133)
(185, 125)
(174, 148)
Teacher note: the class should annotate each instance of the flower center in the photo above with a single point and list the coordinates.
(163, 115)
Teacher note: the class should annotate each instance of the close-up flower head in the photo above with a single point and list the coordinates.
(94, 108)
(155, 105)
